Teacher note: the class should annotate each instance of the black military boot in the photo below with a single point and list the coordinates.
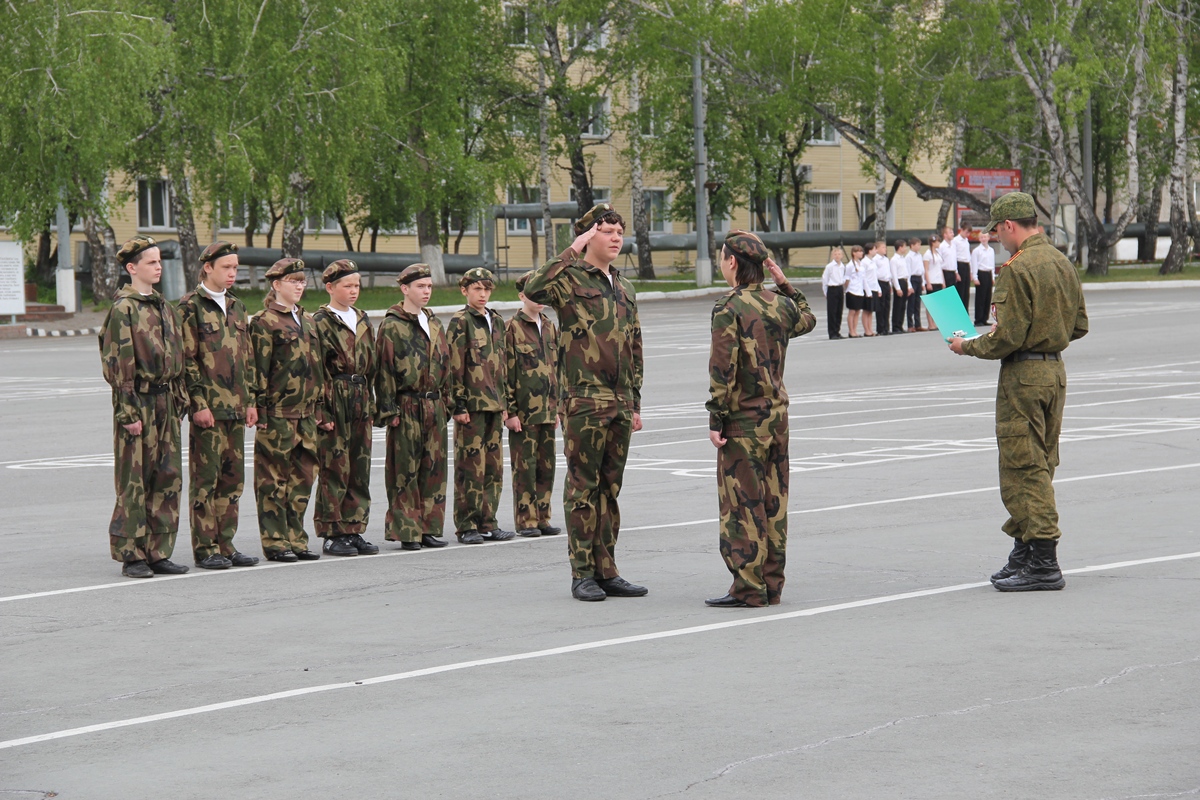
(1040, 574)
(1018, 558)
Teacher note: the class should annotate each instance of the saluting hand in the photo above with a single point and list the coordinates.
(582, 239)
(776, 272)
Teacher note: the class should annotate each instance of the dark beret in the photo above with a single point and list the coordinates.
(414, 272)
(338, 270)
(284, 267)
(217, 250)
(130, 250)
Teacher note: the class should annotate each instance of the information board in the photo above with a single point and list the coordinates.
(12, 279)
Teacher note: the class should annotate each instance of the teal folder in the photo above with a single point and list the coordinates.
(946, 308)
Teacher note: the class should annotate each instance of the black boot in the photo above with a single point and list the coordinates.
(1018, 558)
(1040, 574)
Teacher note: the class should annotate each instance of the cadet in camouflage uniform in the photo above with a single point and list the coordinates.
(348, 350)
(141, 355)
(219, 367)
(748, 421)
(410, 394)
(1038, 307)
(289, 396)
(531, 349)
(600, 368)
(477, 397)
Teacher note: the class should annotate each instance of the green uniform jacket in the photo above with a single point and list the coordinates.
(751, 327)
(600, 348)
(347, 352)
(532, 369)
(406, 360)
(1038, 301)
(141, 343)
(219, 356)
(290, 377)
(477, 374)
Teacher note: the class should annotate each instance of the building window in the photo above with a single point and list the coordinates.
(236, 216)
(658, 203)
(154, 205)
(321, 223)
(823, 132)
(516, 24)
(823, 211)
(600, 194)
(587, 35)
(866, 206)
(597, 125)
(518, 195)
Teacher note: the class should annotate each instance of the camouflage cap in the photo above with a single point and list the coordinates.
(747, 245)
(520, 284)
(338, 270)
(217, 250)
(475, 275)
(284, 267)
(595, 213)
(1014, 205)
(414, 272)
(130, 250)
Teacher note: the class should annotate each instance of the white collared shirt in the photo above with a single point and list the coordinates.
(946, 251)
(962, 248)
(856, 277)
(883, 268)
(834, 275)
(899, 269)
(983, 259)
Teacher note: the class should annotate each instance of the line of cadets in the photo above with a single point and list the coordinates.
(312, 387)
(883, 294)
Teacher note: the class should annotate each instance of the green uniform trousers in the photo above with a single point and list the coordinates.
(596, 443)
(148, 475)
(1029, 410)
(285, 460)
(216, 478)
(531, 457)
(415, 471)
(478, 472)
(752, 488)
(344, 480)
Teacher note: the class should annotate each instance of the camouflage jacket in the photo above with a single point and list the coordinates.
(477, 379)
(408, 361)
(287, 356)
(600, 348)
(344, 353)
(218, 353)
(1038, 303)
(532, 369)
(751, 327)
(141, 349)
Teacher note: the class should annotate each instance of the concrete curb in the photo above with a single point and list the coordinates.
(36, 332)
(1116, 285)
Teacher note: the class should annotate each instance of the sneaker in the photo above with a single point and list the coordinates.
(339, 546)
(549, 530)
(285, 556)
(164, 566)
(215, 561)
(529, 533)
(137, 569)
(364, 547)
(242, 560)
(429, 540)
(497, 535)
(470, 537)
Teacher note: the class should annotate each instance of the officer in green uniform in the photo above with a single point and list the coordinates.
(141, 356)
(600, 357)
(219, 367)
(748, 421)
(1038, 307)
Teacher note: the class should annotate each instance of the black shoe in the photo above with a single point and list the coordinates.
(497, 535)
(339, 546)
(549, 530)
(136, 569)
(215, 561)
(429, 540)
(529, 533)
(1040, 574)
(307, 555)
(587, 590)
(243, 560)
(164, 566)
(286, 556)
(364, 547)
(410, 545)
(728, 601)
(470, 537)
(1018, 558)
(619, 587)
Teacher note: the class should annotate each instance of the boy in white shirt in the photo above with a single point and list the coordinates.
(983, 267)
(885, 276)
(833, 282)
(916, 275)
(962, 257)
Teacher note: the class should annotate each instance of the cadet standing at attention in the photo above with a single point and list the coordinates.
(141, 356)
(410, 397)
(289, 396)
(477, 395)
(219, 368)
(1039, 310)
(348, 355)
(531, 348)
(600, 349)
(748, 421)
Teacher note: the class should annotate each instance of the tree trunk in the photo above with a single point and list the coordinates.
(1149, 209)
(106, 272)
(430, 242)
(1177, 256)
(544, 165)
(180, 196)
(292, 241)
(47, 261)
(584, 199)
(956, 158)
(880, 171)
(641, 220)
(341, 218)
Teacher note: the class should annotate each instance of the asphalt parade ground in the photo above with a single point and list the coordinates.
(892, 669)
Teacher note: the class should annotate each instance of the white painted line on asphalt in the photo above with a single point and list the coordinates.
(553, 651)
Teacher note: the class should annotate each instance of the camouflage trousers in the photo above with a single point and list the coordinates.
(1029, 409)
(752, 487)
(478, 472)
(344, 480)
(216, 478)
(531, 457)
(596, 443)
(285, 460)
(415, 471)
(148, 474)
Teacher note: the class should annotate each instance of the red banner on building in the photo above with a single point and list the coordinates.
(987, 185)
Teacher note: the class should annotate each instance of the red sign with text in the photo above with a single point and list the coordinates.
(987, 185)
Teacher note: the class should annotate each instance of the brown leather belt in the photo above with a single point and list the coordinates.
(1029, 355)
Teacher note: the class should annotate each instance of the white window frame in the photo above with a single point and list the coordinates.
(829, 134)
(329, 220)
(146, 221)
(827, 219)
(862, 209)
(510, 10)
(601, 111)
(519, 225)
(228, 218)
(663, 223)
(596, 43)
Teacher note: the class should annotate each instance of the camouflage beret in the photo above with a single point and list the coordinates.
(593, 215)
(414, 272)
(475, 275)
(1014, 205)
(130, 250)
(747, 245)
(521, 281)
(284, 267)
(217, 250)
(338, 270)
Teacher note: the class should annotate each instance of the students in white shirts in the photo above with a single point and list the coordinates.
(962, 258)
(935, 279)
(833, 285)
(883, 302)
(983, 268)
(899, 282)
(858, 299)
(872, 286)
(916, 279)
(949, 260)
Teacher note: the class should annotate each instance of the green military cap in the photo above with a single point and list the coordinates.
(521, 281)
(284, 267)
(217, 250)
(592, 216)
(414, 272)
(475, 275)
(1014, 205)
(130, 250)
(338, 270)
(747, 245)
